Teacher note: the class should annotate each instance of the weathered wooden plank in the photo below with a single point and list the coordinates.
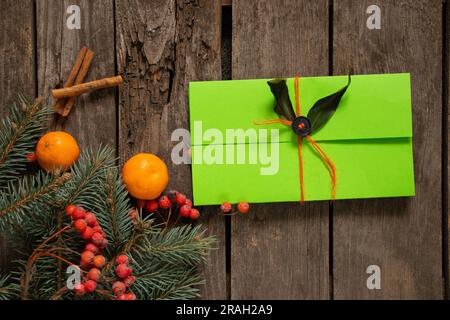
(17, 74)
(446, 101)
(280, 251)
(93, 118)
(401, 236)
(161, 46)
(17, 71)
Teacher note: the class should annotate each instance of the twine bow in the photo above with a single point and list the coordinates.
(300, 126)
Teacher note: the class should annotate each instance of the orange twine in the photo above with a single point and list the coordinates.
(322, 155)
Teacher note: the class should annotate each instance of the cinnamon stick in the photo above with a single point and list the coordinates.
(86, 87)
(59, 106)
(80, 78)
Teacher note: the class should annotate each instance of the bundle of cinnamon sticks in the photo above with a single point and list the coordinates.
(75, 85)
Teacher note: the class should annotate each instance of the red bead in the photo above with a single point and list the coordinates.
(90, 219)
(164, 202)
(119, 287)
(123, 271)
(99, 261)
(78, 213)
(185, 211)
(243, 207)
(180, 199)
(80, 225)
(90, 286)
(122, 296)
(225, 207)
(195, 214)
(87, 233)
(152, 205)
(91, 247)
(121, 259)
(97, 238)
(87, 257)
(70, 209)
(79, 289)
(31, 157)
(104, 244)
(94, 274)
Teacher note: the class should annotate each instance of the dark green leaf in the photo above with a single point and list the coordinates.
(283, 106)
(324, 108)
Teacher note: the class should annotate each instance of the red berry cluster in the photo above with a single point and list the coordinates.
(184, 204)
(92, 259)
(123, 272)
(227, 208)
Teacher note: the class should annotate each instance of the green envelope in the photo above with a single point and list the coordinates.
(369, 139)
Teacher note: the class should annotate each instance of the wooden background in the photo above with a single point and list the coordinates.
(281, 251)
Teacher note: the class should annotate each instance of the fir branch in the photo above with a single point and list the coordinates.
(29, 192)
(7, 289)
(113, 210)
(19, 133)
(180, 245)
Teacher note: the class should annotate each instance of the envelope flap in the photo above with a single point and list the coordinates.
(374, 106)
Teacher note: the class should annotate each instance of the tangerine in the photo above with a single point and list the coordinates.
(146, 176)
(57, 150)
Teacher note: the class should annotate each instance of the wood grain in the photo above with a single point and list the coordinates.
(161, 46)
(280, 251)
(401, 236)
(17, 71)
(93, 118)
(446, 106)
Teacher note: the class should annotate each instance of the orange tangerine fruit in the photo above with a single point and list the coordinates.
(57, 150)
(145, 175)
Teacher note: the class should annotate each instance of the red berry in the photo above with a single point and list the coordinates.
(87, 233)
(87, 256)
(90, 219)
(104, 244)
(94, 274)
(99, 261)
(122, 296)
(31, 157)
(152, 205)
(90, 286)
(225, 207)
(91, 247)
(243, 207)
(129, 280)
(180, 199)
(79, 289)
(119, 287)
(131, 296)
(123, 271)
(98, 229)
(78, 213)
(140, 203)
(97, 238)
(188, 202)
(80, 225)
(70, 209)
(121, 259)
(194, 215)
(185, 211)
(164, 202)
